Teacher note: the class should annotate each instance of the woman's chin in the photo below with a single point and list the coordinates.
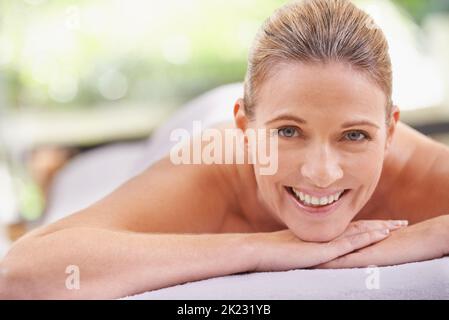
(312, 235)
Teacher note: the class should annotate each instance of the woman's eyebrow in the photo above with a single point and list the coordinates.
(347, 124)
(359, 123)
(287, 117)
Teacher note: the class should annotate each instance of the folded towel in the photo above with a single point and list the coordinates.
(419, 280)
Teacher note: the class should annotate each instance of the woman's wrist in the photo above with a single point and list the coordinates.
(250, 245)
(445, 233)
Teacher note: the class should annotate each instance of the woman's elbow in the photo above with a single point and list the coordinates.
(19, 275)
(13, 278)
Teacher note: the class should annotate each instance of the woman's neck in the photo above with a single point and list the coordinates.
(252, 207)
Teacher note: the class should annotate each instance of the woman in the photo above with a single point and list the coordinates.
(349, 176)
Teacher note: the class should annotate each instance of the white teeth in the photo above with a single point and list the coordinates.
(323, 201)
(306, 198)
(315, 201)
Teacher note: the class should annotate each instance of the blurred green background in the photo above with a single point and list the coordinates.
(78, 54)
(70, 54)
(418, 9)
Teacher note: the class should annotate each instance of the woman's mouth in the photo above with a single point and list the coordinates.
(316, 205)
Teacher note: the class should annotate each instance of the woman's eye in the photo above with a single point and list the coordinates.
(288, 132)
(356, 136)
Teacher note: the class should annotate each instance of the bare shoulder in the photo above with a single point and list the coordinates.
(424, 161)
(174, 198)
(414, 179)
(166, 197)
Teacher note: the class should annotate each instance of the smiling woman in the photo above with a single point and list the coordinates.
(319, 77)
(332, 138)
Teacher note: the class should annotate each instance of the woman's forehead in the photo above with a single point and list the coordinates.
(332, 87)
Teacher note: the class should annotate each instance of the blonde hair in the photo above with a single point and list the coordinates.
(318, 31)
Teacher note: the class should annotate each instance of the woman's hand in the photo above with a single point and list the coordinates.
(422, 241)
(283, 250)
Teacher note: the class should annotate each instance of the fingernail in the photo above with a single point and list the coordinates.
(399, 223)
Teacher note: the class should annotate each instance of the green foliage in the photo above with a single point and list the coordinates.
(79, 54)
(83, 53)
(418, 9)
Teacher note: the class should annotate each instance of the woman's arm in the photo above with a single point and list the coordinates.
(116, 242)
(113, 264)
(423, 241)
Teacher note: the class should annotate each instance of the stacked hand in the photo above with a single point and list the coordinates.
(422, 241)
(363, 243)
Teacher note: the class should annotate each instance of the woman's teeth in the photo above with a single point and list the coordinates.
(316, 201)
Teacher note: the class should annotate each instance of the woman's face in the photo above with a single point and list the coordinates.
(332, 138)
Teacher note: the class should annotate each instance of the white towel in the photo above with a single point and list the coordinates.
(420, 280)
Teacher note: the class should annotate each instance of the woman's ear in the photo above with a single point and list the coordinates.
(240, 118)
(394, 118)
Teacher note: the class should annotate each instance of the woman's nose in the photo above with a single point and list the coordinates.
(322, 167)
